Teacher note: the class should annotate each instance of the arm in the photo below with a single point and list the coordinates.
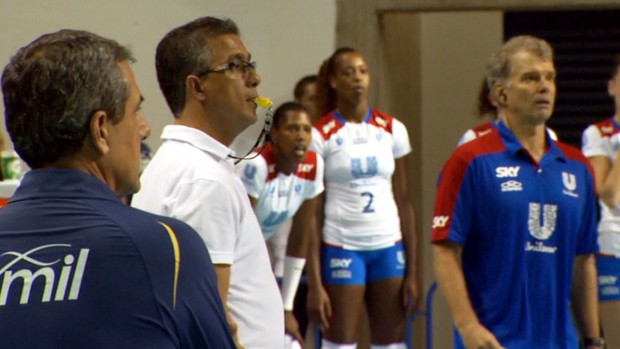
(585, 297)
(303, 227)
(451, 281)
(401, 190)
(319, 307)
(217, 226)
(607, 177)
(222, 271)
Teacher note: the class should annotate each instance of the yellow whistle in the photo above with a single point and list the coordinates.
(263, 102)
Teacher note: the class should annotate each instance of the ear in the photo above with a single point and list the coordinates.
(332, 82)
(99, 132)
(500, 93)
(193, 86)
(611, 84)
(273, 136)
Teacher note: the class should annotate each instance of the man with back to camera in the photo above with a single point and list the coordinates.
(209, 81)
(79, 268)
(515, 220)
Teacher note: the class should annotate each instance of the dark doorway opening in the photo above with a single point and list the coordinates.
(585, 44)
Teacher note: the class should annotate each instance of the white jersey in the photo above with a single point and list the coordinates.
(279, 196)
(360, 212)
(603, 139)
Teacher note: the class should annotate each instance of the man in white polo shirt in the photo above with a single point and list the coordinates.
(209, 81)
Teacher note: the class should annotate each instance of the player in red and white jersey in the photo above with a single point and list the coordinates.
(368, 225)
(360, 162)
(283, 182)
(601, 145)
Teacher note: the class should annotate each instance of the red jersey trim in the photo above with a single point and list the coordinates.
(305, 169)
(450, 186)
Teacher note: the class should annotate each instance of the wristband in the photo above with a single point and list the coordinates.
(593, 341)
(293, 268)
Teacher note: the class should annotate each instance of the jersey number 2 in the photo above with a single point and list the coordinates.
(368, 208)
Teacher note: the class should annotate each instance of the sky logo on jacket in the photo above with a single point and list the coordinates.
(60, 278)
(507, 171)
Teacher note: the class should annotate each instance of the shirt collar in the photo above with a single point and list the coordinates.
(514, 146)
(198, 139)
(63, 183)
(344, 121)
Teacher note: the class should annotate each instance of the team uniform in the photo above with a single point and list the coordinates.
(486, 128)
(80, 269)
(191, 178)
(603, 139)
(279, 196)
(521, 225)
(361, 222)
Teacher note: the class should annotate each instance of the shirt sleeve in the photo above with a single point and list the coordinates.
(593, 143)
(401, 146)
(454, 202)
(317, 186)
(588, 238)
(216, 223)
(253, 174)
(317, 144)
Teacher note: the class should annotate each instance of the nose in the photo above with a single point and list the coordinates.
(254, 79)
(145, 129)
(357, 76)
(547, 85)
(303, 135)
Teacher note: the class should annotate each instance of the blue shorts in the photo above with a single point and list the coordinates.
(347, 267)
(608, 270)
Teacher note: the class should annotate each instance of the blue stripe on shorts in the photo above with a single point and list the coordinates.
(347, 267)
(608, 270)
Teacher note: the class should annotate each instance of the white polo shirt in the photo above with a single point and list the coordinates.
(192, 179)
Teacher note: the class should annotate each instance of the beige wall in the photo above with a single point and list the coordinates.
(287, 38)
(454, 46)
(429, 73)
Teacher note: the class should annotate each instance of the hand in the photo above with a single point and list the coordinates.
(291, 327)
(237, 343)
(411, 295)
(319, 307)
(233, 330)
(476, 336)
(239, 346)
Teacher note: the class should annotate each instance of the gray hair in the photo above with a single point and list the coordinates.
(499, 65)
(54, 85)
(184, 51)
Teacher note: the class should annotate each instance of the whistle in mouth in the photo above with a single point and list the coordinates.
(263, 102)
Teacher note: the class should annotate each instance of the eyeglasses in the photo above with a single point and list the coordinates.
(240, 67)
